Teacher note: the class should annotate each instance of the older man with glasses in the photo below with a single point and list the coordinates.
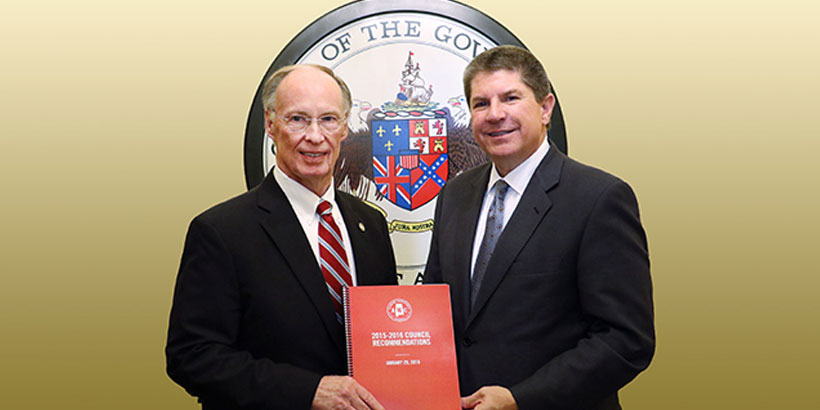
(257, 315)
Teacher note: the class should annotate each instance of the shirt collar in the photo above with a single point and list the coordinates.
(302, 200)
(520, 176)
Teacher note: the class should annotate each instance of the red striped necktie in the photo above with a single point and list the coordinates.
(332, 256)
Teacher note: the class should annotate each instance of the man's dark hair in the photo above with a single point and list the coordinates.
(511, 58)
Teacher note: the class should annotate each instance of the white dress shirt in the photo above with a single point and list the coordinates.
(517, 179)
(304, 203)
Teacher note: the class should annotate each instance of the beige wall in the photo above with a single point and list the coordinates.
(120, 123)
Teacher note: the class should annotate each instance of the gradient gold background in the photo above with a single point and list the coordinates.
(122, 122)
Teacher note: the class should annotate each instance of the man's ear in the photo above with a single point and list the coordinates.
(546, 106)
(269, 117)
(345, 131)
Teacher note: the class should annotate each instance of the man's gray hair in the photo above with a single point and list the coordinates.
(273, 81)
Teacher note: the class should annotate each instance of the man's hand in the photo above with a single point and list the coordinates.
(342, 392)
(490, 398)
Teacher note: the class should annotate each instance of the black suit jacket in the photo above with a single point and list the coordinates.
(252, 324)
(564, 315)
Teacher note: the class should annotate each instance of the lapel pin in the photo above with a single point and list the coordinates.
(361, 226)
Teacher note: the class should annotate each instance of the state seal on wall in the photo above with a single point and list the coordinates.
(409, 127)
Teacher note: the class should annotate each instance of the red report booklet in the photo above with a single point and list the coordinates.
(400, 345)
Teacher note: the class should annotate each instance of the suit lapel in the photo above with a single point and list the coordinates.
(357, 231)
(531, 209)
(463, 238)
(282, 225)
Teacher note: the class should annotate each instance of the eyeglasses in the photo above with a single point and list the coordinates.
(299, 122)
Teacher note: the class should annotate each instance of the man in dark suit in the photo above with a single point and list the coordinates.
(549, 269)
(256, 318)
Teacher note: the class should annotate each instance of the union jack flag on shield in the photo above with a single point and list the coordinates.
(392, 180)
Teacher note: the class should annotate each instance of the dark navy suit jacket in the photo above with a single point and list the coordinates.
(564, 315)
(252, 324)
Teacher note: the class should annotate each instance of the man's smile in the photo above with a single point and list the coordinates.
(499, 133)
(314, 154)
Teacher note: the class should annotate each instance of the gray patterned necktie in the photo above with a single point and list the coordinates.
(495, 224)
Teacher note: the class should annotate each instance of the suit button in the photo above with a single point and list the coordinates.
(468, 342)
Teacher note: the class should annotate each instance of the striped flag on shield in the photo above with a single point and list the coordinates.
(409, 158)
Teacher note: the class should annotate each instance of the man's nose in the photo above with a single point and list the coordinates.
(495, 112)
(313, 132)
